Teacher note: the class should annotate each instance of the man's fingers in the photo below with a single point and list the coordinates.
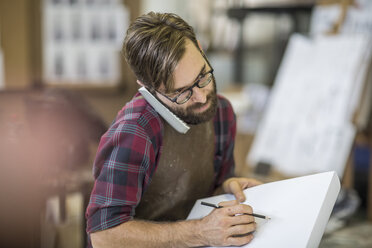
(239, 241)
(243, 219)
(232, 224)
(239, 230)
(248, 182)
(228, 203)
(236, 189)
(237, 209)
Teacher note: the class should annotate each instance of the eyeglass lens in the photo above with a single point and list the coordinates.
(185, 96)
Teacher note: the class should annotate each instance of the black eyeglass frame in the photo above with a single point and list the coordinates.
(174, 99)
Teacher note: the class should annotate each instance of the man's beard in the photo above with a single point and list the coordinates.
(190, 117)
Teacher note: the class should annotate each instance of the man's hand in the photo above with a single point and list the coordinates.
(228, 226)
(236, 185)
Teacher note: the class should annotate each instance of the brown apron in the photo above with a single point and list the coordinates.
(184, 174)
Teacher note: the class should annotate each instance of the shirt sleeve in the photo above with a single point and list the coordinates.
(225, 126)
(123, 167)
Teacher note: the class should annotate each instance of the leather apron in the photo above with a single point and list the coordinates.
(184, 174)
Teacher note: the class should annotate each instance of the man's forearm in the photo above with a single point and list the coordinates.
(145, 234)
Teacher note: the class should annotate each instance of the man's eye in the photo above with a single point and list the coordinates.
(174, 94)
(202, 75)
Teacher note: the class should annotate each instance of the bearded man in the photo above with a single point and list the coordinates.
(148, 175)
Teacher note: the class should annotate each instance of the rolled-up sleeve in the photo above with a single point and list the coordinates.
(124, 164)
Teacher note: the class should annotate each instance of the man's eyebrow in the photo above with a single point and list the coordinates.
(202, 70)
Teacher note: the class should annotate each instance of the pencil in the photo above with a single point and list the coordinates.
(253, 214)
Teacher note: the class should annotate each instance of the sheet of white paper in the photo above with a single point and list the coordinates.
(323, 18)
(358, 20)
(362, 73)
(312, 104)
(299, 209)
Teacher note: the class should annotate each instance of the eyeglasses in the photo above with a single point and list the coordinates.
(185, 95)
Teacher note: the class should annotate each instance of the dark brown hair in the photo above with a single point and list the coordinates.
(153, 46)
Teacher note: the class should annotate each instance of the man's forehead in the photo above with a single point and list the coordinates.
(189, 67)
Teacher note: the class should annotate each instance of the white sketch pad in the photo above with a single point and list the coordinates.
(299, 209)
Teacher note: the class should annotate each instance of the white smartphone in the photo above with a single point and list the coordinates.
(171, 118)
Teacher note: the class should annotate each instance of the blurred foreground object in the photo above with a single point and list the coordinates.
(46, 137)
(62, 125)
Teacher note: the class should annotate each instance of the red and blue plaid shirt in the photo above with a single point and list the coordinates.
(128, 155)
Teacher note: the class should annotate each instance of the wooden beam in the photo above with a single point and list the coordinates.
(21, 42)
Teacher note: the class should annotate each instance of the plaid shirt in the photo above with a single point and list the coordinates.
(128, 155)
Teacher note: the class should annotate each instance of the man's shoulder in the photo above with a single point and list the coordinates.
(138, 112)
(223, 102)
(224, 107)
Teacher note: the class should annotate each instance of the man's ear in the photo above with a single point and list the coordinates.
(200, 47)
(140, 83)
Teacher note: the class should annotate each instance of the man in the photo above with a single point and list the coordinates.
(148, 176)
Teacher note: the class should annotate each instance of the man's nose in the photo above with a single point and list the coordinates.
(199, 95)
